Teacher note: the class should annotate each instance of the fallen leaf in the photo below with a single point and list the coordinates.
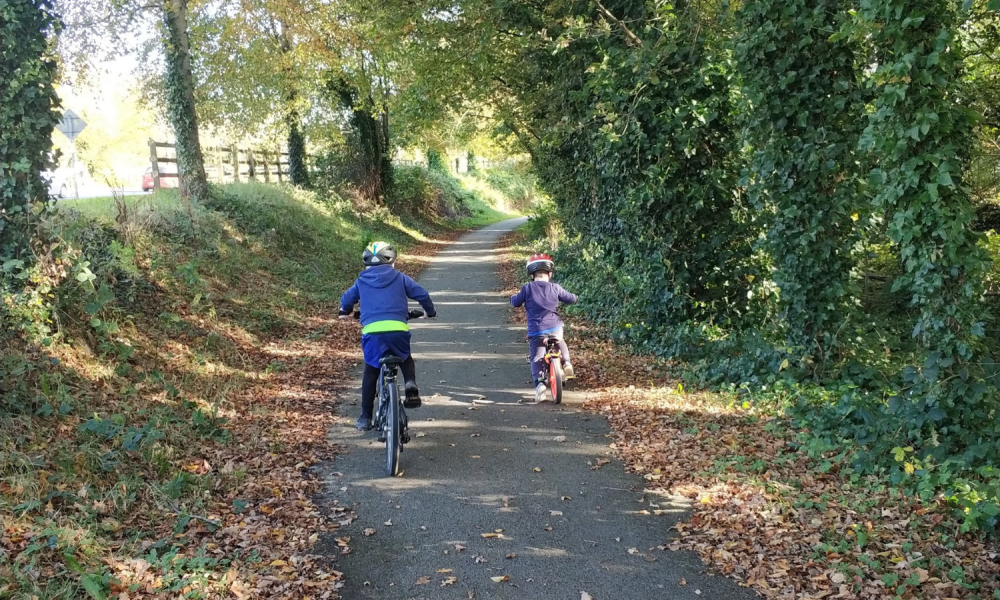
(490, 535)
(423, 580)
(459, 547)
(500, 578)
(633, 550)
(449, 581)
(388, 523)
(585, 596)
(559, 438)
(537, 469)
(555, 513)
(444, 570)
(369, 532)
(682, 581)
(512, 556)
(479, 559)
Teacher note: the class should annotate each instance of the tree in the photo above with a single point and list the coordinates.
(179, 84)
(103, 27)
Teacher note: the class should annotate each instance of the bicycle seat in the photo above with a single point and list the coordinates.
(390, 359)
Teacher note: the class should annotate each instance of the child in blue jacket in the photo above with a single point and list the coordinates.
(541, 299)
(382, 292)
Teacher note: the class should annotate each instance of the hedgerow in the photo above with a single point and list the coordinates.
(775, 195)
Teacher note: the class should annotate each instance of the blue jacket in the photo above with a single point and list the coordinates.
(541, 303)
(383, 291)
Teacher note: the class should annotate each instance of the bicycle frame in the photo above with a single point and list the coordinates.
(554, 374)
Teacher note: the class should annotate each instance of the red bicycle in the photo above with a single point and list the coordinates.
(553, 368)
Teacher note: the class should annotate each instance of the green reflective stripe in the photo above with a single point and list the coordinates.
(384, 326)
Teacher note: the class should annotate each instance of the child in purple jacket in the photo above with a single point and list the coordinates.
(541, 299)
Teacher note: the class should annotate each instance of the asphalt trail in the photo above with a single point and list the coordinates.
(479, 462)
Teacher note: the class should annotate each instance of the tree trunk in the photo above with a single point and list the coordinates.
(181, 105)
(297, 168)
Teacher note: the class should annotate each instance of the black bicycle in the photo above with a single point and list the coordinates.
(390, 417)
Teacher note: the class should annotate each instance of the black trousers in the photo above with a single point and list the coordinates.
(369, 384)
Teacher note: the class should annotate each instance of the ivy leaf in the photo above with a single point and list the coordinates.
(92, 584)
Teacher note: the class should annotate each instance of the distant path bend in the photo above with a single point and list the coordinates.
(480, 463)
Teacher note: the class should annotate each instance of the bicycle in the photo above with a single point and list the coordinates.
(390, 419)
(553, 370)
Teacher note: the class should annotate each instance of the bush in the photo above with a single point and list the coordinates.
(28, 105)
(518, 184)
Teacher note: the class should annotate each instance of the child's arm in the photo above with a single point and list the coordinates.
(518, 299)
(349, 299)
(566, 297)
(415, 292)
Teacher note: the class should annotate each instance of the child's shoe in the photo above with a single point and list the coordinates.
(364, 423)
(568, 371)
(540, 392)
(412, 398)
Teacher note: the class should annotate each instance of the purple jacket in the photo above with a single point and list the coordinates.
(541, 302)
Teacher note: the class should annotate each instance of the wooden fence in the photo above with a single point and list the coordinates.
(223, 164)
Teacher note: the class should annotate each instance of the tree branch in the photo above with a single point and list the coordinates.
(633, 38)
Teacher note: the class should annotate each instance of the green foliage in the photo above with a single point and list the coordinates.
(28, 115)
(801, 114)
(777, 196)
(517, 182)
(436, 162)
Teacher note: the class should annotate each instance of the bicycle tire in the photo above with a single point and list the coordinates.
(556, 380)
(393, 439)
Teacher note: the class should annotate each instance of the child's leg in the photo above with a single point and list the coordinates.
(409, 369)
(562, 346)
(536, 352)
(369, 383)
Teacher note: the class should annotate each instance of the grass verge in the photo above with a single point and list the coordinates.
(770, 507)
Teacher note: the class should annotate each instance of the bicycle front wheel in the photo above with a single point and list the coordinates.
(556, 380)
(393, 440)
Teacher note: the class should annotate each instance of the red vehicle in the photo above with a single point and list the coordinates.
(167, 180)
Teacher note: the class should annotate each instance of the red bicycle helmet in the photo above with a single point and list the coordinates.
(540, 262)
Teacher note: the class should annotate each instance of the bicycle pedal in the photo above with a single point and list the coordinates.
(380, 438)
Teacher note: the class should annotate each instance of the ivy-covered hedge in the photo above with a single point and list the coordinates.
(28, 115)
(774, 193)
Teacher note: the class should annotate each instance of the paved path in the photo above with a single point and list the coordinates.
(481, 463)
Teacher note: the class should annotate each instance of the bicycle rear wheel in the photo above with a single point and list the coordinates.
(556, 380)
(392, 435)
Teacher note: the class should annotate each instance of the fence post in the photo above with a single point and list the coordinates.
(251, 165)
(278, 157)
(221, 173)
(235, 149)
(267, 167)
(154, 163)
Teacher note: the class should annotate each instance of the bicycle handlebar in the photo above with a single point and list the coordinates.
(416, 313)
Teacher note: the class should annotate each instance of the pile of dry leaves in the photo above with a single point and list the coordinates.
(257, 527)
(762, 511)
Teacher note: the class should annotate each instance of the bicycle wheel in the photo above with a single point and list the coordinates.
(392, 436)
(556, 379)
